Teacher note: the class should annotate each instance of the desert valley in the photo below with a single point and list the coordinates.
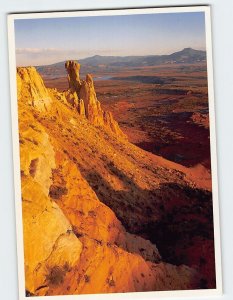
(152, 100)
(116, 175)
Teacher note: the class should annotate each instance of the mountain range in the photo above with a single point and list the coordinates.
(96, 63)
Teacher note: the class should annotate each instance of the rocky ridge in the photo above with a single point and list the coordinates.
(88, 196)
(85, 99)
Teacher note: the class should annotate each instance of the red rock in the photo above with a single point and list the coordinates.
(80, 183)
(88, 103)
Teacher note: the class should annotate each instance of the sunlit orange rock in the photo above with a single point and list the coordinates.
(31, 87)
(87, 196)
(87, 103)
(73, 68)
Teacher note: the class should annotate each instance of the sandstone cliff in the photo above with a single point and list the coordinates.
(91, 200)
(31, 86)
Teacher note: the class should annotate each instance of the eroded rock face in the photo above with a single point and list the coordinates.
(87, 103)
(111, 123)
(77, 184)
(49, 242)
(30, 86)
(87, 93)
(73, 68)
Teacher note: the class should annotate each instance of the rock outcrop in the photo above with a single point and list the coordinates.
(31, 87)
(87, 103)
(88, 197)
(73, 69)
(49, 242)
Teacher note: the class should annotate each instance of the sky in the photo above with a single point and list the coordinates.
(50, 40)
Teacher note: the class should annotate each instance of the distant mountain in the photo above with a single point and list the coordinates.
(187, 55)
(96, 63)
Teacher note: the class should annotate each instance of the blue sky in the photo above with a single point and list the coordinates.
(46, 41)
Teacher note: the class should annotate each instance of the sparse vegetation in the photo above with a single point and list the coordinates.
(87, 278)
(111, 282)
(33, 166)
(56, 275)
(56, 192)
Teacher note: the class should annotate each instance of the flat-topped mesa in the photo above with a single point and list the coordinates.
(31, 88)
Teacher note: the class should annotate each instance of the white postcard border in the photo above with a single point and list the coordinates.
(16, 157)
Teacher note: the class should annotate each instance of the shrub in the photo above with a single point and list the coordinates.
(56, 192)
(86, 278)
(56, 275)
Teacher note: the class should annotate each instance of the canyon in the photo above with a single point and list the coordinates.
(100, 214)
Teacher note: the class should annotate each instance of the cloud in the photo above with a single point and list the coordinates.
(43, 51)
(42, 56)
(38, 56)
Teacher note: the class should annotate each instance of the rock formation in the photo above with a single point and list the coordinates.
(81, 95)
(87, 103)
(73, 68)
(31, 86)
(89, 197)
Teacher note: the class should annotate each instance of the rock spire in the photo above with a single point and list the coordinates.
(87, 103)
(72, 68)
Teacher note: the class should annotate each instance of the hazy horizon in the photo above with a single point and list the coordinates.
(52, 40)
(78, 59)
